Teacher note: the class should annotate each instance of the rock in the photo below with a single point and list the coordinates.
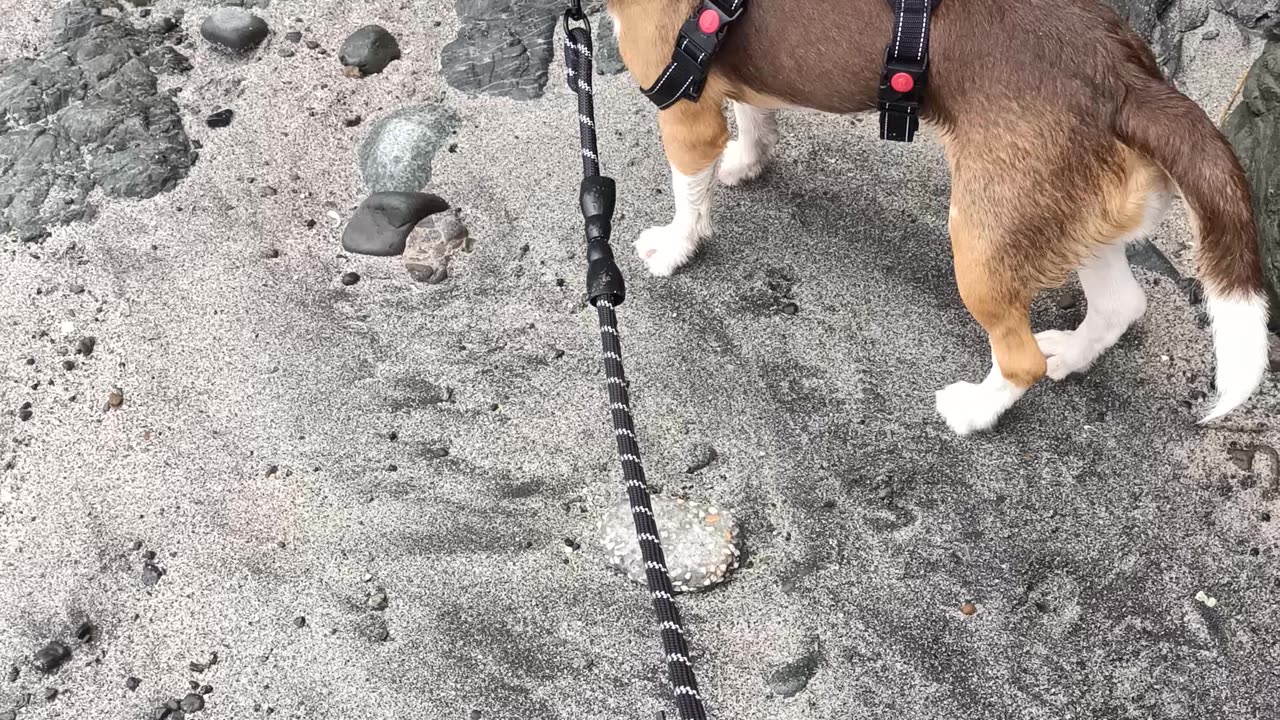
(234, 30)
(1254, 131)
(51, 657)
(12, 675)
(370, 50)
(192, 703)
(607, 59)
(350, 278)
(372, 628)
(132, 683)
(300, 622)
(86, 345)
(432, 245)
(382, 223)
(151, 573)
(1146, 255)
(378, 601)
(115, 398)
(220, 118)
(397, 154)
(50, 694)
(87, 632)
(86, 114)
(503, 48)
(293, 36)
(700, 542)
(1162, 24)
(698, 456)
(1263, 15)
(788, 680)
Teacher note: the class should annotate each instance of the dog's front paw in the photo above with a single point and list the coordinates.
(740, 163)
(969, 408)
(666, 247)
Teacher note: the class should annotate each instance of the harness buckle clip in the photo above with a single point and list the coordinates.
(901, 92)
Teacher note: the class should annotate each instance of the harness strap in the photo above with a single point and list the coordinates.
(699, 38)
(906, 66)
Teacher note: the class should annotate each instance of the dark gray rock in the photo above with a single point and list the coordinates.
(51, 657)
(382, 223)
(793, 677)
(86, 114)
(233, 29)
(608, 59)
(503, 48)
(1146, 255)
(1254, 130)
(1162, 24)
(192, 703)
(397, 154)
(1261, 15)
(370, 50)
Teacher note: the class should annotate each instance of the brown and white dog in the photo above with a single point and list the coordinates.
(1064, 143)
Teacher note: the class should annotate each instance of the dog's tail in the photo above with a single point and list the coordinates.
(1174, 132)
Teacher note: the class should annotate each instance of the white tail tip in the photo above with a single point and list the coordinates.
(1240, 347)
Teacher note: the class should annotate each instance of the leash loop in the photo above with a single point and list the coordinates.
(605, 290)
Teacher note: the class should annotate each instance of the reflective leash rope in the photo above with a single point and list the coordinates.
(605, 290)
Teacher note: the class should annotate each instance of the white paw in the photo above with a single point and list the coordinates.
(666, 247)
(970, 408)
(739, 164)
(1066, 352)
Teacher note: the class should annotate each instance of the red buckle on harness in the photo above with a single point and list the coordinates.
(902, 82)
(709, 21)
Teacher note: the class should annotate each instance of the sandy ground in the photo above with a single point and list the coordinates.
(252, 451)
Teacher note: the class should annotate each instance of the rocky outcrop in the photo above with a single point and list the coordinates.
(1254, 130)
(86, 114)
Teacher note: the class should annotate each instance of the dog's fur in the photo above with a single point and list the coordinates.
(1063, 140)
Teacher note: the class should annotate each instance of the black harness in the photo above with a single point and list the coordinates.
(902, 82)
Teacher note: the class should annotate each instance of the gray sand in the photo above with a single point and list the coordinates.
(1082, 530)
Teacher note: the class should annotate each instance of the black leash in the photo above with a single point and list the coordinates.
(605, 290)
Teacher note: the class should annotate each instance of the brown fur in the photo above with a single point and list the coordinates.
(1056, 121)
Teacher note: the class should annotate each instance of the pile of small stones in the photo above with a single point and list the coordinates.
(701, 542)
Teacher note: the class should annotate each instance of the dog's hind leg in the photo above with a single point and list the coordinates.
(694, 135)
(745, 158)
(999, 299)
(1115, 300)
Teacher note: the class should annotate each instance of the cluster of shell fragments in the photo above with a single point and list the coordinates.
(700, 542)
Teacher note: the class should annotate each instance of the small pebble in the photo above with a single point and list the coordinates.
(352, 120)
(968, 608)
(790, 308)
(13, 674)
(87, 632)
(293, 36)
(132, 683)
(51, 657)
(350, 278)
(115, 398)
(220, 119)
(192, 703)
(286, 52)
(151, 574)
(300, 622)
(50, 694)
(378, 601)
(86, 345)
